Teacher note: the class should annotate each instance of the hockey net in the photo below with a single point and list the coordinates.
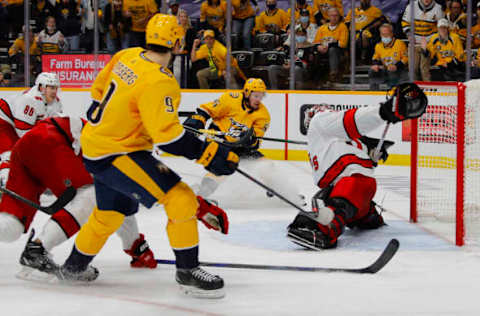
(445, 160)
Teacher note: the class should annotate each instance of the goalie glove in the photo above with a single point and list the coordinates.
(212, 216)
(408, 101)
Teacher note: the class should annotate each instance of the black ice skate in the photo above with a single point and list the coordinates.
(68, 274)
(199, 283)
(37, 262)
(310, 238)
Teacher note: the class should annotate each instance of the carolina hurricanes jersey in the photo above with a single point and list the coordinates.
(25, 110)
(333, 146)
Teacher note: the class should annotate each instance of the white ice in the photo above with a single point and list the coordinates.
(428, 276)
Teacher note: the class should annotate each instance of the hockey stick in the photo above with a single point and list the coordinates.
(299, 142)
(213, 135)
(376, 266)
(61, 201)
(377, 153)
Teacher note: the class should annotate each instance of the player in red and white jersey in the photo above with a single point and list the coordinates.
(19, 114)
(49, 157)
(343, 159)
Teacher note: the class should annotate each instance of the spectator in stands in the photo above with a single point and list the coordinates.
(320, 9)
(311, 28)
(5, 78)
(186, 43)
(212, 16)
(18, 46)
(244, 20)
(69, 22)
(40, 10)
(389, 60)
(272, 20)
(301, 61)
(216, 55)
(475, 70)
(457, 20)
(117, 27)
(140, 11)
(333, 40)
(173, 6)
(17, 51)
(302, 5)
(367, 20)
(446, 52)
(476, 30)
(51, 40)
(427, 14)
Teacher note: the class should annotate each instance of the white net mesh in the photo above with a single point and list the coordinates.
(437, 161)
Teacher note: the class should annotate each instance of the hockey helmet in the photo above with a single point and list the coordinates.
(311, 111)
(254, 85)
(163, 30)
(47, 79)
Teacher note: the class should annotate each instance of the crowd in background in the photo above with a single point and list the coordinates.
(260, 40)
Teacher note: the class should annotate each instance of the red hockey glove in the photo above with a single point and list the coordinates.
(142, 256)
(212, 216)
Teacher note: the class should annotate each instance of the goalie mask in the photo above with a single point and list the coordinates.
(310, 113)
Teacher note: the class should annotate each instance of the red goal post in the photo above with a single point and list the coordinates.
(445, 161)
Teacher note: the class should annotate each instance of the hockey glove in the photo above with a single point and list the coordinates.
(142, 256)
(197, 120)
(408, 101)
(219, 160)
(212, 216)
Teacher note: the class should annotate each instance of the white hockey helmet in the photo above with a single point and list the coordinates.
(311, 111)
(47, 79)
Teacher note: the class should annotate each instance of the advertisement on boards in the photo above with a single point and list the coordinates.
(74, 71)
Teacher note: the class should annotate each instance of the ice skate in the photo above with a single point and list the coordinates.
(67, 274)
(37, 262)
(199, 283)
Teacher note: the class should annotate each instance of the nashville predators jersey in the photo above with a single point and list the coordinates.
(141, 11)
(425, 19)
(302, 7)
(391, 54)
(476, 35)
(138, 102)
(324, 5)
(278, 17)
(326, 35)
(364, 18)
(443, 52)
(229, 114)
(214, 15)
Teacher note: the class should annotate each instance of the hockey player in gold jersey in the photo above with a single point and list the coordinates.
(134, 111)
(232, 114)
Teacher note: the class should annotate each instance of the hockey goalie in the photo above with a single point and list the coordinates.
(343, 160)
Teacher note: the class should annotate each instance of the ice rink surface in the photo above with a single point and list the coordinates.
(428, 276)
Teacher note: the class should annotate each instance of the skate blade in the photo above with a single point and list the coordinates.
(199, 293)
(34, 275)
(302, 242)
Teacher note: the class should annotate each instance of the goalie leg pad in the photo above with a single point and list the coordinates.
(372, 220)
(353, 195)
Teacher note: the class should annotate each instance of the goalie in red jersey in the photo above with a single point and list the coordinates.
(343, 159)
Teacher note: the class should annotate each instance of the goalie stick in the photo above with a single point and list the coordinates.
(60, 203)
(376, 266)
